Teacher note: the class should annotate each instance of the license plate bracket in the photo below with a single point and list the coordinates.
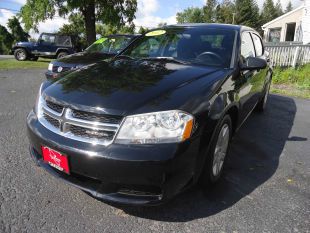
(55, 159)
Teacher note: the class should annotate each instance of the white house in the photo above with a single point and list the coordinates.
(292, 26)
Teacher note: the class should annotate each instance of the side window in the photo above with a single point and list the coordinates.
(48, 39)
(247, 47)
(258, 45)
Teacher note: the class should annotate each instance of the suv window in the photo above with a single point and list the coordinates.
(247, 47)
(63, 41)
(48, 39)
(258, 45)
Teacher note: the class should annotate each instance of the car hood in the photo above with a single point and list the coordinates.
(81, 59)
(26, 44)
(126, 87)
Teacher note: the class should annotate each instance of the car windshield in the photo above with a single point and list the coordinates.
(109, 44)
(211, 47)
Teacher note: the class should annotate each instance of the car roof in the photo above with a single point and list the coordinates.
(211, 25)
(125, 35)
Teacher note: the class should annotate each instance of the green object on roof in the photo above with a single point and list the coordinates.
(101, 40)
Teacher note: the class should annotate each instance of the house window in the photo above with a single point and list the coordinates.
(290, 31)
(274, 34)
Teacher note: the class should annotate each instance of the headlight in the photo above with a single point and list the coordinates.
(50, 67)
(38, 107)
(157, 127)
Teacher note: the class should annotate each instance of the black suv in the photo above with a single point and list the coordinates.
(105, 47)
(147, 124)
(49, 45)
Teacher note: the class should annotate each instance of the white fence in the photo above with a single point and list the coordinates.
(289, 55)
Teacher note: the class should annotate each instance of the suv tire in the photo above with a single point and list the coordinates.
(20, 54)
(62, 54)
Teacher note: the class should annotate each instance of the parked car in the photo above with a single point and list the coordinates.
(49, 45)
(104, 48)
(151, 122)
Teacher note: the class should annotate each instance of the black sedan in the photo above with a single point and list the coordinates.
(104, 48)
(146, 125)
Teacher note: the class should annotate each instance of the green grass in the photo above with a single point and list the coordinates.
(292, 82)
(6, 64)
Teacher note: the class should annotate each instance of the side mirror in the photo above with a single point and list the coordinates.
(254, 63)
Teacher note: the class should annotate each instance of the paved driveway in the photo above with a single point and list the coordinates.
(266, 185)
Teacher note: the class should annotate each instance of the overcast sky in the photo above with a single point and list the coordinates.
(150, 12)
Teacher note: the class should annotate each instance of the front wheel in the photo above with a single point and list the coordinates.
(62, 54)
(20, 54)
(217, 154)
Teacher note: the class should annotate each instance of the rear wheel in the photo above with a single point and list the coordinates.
(20, 54)
(218, 150)
(62, 54)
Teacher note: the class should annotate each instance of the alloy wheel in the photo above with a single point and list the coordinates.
(220, 150)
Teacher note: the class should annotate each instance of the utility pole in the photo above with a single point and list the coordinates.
(233, 22)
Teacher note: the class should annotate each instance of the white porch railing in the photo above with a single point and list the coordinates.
(288, 55)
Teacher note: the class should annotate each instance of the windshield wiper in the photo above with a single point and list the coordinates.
(169, 59)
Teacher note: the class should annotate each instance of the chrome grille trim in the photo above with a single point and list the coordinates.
(66, 119)
(90, 124)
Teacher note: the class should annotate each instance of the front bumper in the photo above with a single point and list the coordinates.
(126, 174)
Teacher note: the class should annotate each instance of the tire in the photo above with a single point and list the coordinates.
(20, 54)
(261, 105)
(33, 58)
(62, 54)
(216, 156)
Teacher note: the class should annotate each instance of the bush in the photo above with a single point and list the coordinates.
(299, 77)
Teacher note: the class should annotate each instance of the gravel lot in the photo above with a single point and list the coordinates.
(266, 185)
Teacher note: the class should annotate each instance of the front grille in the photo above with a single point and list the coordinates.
(103, 118)
(91, 133)
(79, 125)
(54, 122)
(55, 107)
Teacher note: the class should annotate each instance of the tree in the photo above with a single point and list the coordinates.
(6, 40)
(104, 30)
(268, 12)
(17, 31)
(75, 26)
(278, 9)
(117, 12)
(162, 24)
(247, 13)
(191, 15)
(289, 7)
(142, 30)
(209, 11)
(225, 12)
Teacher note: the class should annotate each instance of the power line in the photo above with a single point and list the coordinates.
(8, 9)
(17, 11)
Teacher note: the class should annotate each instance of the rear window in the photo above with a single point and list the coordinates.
(111, 45)
(63, 41)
